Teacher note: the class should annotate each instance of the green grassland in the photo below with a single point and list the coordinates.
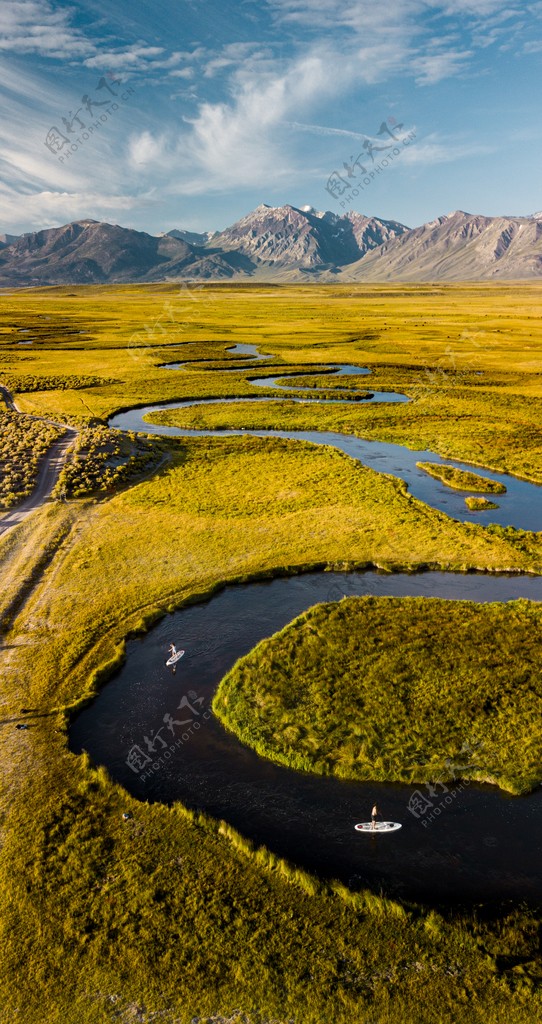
(170, 916)
(461, 479)
(504, 436)
(394, 689)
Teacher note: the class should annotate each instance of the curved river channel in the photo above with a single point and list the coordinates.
(520, 506)
(154, 732)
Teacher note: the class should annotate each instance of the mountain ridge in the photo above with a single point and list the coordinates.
(280, 243)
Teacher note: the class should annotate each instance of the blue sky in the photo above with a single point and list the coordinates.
(201, 110)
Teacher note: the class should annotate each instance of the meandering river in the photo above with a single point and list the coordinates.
(155, 734)
(520, 506)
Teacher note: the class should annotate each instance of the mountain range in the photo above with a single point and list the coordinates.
(281, 243)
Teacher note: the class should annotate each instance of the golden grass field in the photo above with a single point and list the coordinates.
(176, 916)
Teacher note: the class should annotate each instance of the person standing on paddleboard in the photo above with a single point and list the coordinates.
(172, 652)
(374, 815)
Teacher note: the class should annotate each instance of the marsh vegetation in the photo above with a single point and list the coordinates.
(479, 504)
(167, 912)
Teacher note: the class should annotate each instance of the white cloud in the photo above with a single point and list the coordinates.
(28, 169)
(365, 15)
(238, 142)
(235, 143)
(236, 55)
(433, 68)
(51, 208)
(405, 35)
(134, 58)
(39, 27)
(123, 57)
(320, 129)
(145, 149)
(35, 26)
(478, 8)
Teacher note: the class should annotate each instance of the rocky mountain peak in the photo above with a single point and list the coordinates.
(280, 243)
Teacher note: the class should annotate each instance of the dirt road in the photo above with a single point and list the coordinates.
(47, 477)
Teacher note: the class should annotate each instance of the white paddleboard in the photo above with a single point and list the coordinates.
(380, 826)
(175, 658)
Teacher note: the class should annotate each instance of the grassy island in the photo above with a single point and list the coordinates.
(461, 479)
(479, 504)
(397, 689)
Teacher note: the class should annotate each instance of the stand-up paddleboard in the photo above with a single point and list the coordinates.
(379, 826)
(175, 658)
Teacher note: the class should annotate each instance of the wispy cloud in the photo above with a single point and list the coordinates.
(405, 35)
(262, 108)
(435, 150)
(134, 58)
(48, 208)
(35, 185)
(320, 129)
(236, 56)
(432, 68)
(39, 27)
(147, 150)
(239, 142)
(35, 26)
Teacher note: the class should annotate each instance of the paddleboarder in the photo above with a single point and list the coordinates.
(172, 650)
(374, 815)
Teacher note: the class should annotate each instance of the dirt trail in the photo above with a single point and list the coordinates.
(18, 753)
(48, 475)
(8, 398)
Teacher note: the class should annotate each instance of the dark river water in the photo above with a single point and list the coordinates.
(154, 733)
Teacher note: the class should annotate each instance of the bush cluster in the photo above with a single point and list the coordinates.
(479, 504)
(23, 442)
(27, 382)
(102, 459)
